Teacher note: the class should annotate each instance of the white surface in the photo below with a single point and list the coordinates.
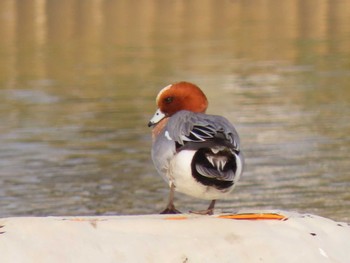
(160, 238)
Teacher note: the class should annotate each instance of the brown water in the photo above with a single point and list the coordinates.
(78, 81)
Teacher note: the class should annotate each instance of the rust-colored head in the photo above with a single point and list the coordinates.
(179, 96)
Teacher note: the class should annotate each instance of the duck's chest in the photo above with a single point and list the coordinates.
(163, 148)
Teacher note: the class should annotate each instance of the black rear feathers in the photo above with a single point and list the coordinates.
(215, 167)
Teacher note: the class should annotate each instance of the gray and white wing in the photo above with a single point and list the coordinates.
(186, 126)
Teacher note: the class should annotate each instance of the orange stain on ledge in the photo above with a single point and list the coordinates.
(176, 218)
(254, 216)
(243, 216)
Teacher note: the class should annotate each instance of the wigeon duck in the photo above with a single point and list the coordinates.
(196, 153)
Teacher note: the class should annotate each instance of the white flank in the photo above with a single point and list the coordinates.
(181, 174)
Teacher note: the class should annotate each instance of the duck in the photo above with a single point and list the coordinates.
(197, 154)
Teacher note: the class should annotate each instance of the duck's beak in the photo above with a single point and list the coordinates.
(157, 117)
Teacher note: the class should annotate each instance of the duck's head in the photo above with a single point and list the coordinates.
(176, 97)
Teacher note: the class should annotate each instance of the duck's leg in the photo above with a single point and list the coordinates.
(208, 211)
(211, 206)
(170, 209)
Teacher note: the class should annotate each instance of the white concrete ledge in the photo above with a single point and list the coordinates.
(282, 237)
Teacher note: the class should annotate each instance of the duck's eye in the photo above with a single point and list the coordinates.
(168, 100)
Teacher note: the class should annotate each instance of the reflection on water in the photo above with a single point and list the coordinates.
(78, 81)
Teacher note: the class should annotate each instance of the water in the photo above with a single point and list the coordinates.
(78, 80)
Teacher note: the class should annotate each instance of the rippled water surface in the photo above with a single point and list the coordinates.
(78, 81)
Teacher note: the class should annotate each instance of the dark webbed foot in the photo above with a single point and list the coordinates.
(208, 211)
(203, 212)
(170, 209)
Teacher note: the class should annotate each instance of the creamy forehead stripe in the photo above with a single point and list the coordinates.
(160, 92)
